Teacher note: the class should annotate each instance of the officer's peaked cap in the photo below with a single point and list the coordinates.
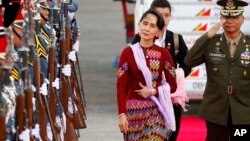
(231, 8)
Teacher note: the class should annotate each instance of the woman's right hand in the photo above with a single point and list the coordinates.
(123, 123)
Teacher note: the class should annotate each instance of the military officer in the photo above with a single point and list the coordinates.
(226, 100)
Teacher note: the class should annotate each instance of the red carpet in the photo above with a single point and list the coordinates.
(192, 129)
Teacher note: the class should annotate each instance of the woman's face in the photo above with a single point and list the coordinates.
(166, 14)
(148, 29)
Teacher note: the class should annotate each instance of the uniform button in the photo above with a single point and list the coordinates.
(232, 63)
(231, 72)
(230, 82)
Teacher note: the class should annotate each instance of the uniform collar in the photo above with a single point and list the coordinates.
(235, 40)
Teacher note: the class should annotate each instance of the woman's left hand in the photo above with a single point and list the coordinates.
(144, 91)
(123, 123)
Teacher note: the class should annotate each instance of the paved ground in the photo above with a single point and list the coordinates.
(102, 38)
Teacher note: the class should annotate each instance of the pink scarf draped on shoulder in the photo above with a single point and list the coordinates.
(163, 101)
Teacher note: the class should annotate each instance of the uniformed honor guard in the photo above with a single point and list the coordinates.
(226, 99)
(25, 113)
(9, 10)
(17, 27)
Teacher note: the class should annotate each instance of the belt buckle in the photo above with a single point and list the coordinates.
(229, 89)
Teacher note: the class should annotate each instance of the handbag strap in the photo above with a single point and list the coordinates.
(176, 43)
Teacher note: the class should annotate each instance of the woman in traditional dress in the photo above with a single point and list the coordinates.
(140, 85)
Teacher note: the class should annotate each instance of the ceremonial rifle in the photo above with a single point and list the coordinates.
(40, 103)
(20, 106)
(80, 114)
(42, 99)
(66, 89)
(54, 98)
(79, 120)
(79, 77)
(23, 82)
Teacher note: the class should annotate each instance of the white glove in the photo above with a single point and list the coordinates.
(71, 15)
(33, 88)
(36, 131)
(13, 129)
(55, 84)
(72, 56)
(61, 121)
(76, 46)
(46, 81)
(66, 70)
(34, 103)
(44, 89)
(25, 135)
(71, 106)
(49, 132)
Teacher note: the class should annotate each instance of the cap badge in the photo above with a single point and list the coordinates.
(230, 4)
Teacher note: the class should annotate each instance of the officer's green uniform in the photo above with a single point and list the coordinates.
(228, 79)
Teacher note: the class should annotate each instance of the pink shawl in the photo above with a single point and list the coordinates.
(163, 101)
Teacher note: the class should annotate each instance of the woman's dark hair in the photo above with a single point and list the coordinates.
(161, 4)
(160, 20)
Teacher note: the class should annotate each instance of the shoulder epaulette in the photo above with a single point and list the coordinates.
(248, 36)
